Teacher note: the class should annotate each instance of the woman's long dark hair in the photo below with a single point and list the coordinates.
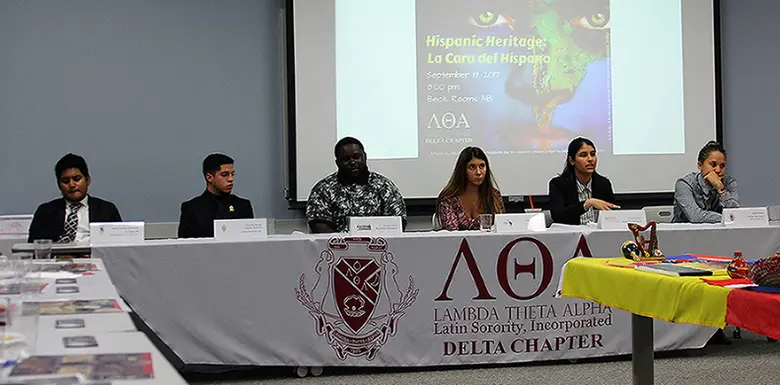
(574, 146)
(489, 196)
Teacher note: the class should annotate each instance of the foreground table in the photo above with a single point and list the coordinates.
(127, 342)
(114, 332)
(674, 299)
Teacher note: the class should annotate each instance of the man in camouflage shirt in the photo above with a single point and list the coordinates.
(352, 191)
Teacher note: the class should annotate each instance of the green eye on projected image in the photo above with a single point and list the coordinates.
(596, 21)
(489, 19)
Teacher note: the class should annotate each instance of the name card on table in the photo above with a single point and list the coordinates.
(15, 224)
(746, 217)
(617, 219)
(113, 233)
(237, 229)
(512, 223)
(375, 225)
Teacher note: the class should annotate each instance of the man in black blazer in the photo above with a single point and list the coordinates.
(67, 219)
(217, 202)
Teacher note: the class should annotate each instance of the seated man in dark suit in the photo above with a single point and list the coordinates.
(67, 219)
(217, 202)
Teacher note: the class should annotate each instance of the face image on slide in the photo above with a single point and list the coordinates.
(538, 72)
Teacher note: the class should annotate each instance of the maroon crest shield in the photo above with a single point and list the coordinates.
(357, 277)
(356, 289)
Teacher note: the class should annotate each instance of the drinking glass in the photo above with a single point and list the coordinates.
(42, 248)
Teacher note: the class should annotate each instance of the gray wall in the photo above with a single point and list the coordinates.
(145, 88)
(751, 99)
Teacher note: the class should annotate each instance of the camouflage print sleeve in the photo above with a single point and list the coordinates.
(318, 205)
(394, 202)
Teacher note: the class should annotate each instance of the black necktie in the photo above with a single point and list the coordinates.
(71, 223)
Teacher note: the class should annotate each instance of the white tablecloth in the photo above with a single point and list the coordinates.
(414, 300)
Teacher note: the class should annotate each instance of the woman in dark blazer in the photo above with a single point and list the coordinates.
(578, 191)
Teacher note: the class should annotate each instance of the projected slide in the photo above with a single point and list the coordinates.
(419, 80)
(516, 76)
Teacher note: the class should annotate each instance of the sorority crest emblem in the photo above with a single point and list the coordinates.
(356, 301)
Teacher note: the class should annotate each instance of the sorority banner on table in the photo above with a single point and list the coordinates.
(414, 300)
(482, 304)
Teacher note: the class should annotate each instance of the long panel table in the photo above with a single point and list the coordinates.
(419, 299)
